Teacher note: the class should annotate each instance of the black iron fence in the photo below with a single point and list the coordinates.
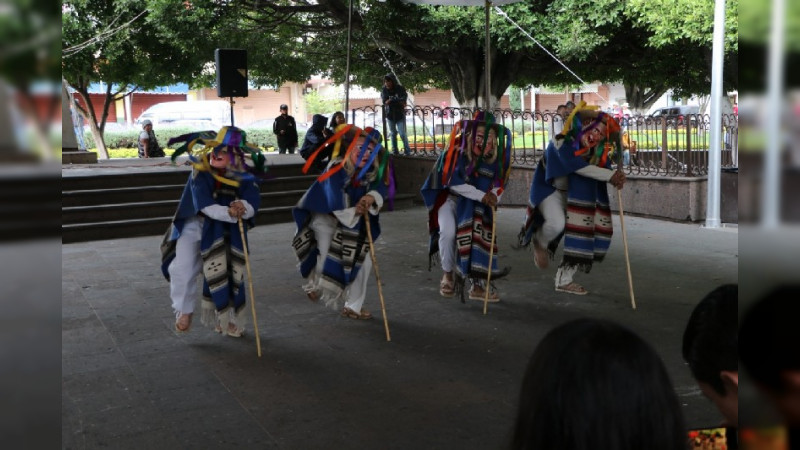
(675, 146)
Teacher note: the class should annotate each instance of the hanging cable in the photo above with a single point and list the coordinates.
(69, 51)
(391, 69)
(502, 13)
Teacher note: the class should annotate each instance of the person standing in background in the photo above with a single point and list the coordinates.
(285, 129)
(394, 99)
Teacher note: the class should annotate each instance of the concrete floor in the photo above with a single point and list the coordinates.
(449, 378)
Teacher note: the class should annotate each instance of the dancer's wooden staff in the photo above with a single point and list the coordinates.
(625, 245)
(486, 288)
(377, 275)
(250, 283)
(624, 235)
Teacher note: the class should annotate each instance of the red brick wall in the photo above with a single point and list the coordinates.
(45, 107)
(505, 102)
(593, 99)
(432, 97)
(549, 102)
(97, 103)
(140, 102)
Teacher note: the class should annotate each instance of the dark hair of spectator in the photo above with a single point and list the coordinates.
(710, 338)
(769, 335)
(332, 124)
(595, 385)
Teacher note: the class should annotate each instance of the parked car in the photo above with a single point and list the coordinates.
(676, 115)
(216, 112)
(194, 125)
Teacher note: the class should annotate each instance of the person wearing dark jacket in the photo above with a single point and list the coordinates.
(394, 99)
(286, 129)
(316, 136)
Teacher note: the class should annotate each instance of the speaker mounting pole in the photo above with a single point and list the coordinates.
(232, 102)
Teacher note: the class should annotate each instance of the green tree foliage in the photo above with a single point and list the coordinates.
(29, 54)
(514, 97)
(754, 43)
(316, 104)
(604, 40)
(131, 45)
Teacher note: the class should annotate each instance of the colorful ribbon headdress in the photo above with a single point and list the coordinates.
(239, 152)
(346, 135)
(610, 145)
(463, 137)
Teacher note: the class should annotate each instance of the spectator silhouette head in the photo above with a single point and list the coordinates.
(710, 348)
(768, 348)
(594, 384)
(337, 119)
(390, 81)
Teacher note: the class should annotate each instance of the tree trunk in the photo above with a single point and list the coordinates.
(640, 98)
(89, 113)
(465, 72)
(97, 135)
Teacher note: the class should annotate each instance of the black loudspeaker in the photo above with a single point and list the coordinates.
(231, 72)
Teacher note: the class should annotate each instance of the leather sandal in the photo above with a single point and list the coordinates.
(232, 331)
(349, 313)
(480, 295)
(313, 295)
(572, 288)
(235, 331)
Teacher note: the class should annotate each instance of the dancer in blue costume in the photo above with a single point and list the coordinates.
(569, 198)
(465, 184)
(205, 236)
(331, 240)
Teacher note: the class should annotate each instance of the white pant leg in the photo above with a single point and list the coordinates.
(564, 275)
(554, 210)
(323, 226)
(184, 269)
(357, 291)
(447, 234)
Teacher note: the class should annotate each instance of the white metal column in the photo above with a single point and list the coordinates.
(715, 149)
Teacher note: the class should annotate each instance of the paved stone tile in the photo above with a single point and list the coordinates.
(449, 378)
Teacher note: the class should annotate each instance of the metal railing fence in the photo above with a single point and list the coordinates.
(663, 146)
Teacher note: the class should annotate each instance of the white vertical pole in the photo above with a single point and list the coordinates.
(128, 102)
(771, 194)
(487, 64)
(347, 67)
(715, 150)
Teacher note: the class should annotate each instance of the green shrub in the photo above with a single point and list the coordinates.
(124, 144)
